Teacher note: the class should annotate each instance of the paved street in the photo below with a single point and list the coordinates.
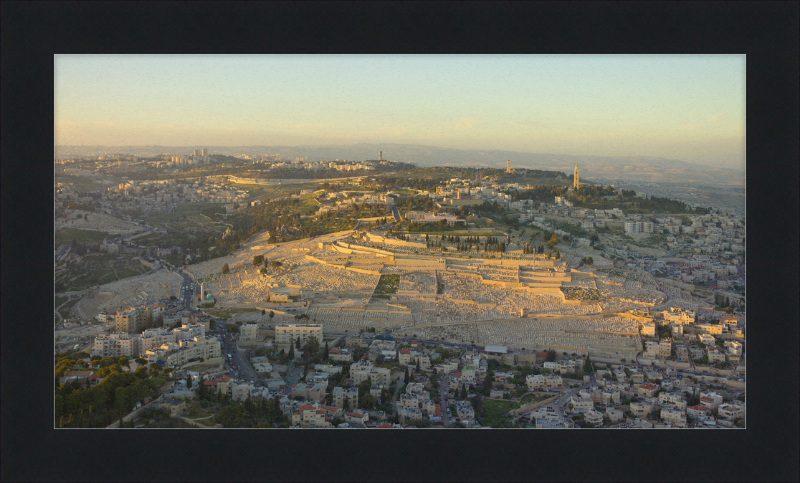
(559, 404)
(400, 385)
(443, 387)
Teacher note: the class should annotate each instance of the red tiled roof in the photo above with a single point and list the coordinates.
(320, 411)
(647, 385)
(706, 398)
(305, 407)
(334, 351)
(355, 415)
(541, 354)
(384, 426)
(405, 351)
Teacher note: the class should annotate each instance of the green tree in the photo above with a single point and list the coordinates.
(258, 260)
(552, 241)
(271, 315)
(226, 269)
(325, 355)
(123, 361)
(551, 356)
(188, 382)
(487, 382)
(311, 347)
(202, 390)
(558, 255)
(291, 350)
(405, 376)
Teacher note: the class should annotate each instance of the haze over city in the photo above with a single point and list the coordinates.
(689, 108)
(396, 242)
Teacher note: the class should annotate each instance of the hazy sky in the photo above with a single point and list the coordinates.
(688, 107)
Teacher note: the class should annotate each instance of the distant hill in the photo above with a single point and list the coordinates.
(634, 168)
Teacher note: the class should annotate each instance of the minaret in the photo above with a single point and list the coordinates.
(380, 155)
(508, 166)
(577, 182)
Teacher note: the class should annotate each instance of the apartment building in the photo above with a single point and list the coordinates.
(707, 339)
(553, 381)
(730, 411)
(248, 332)
(580, 404)
(672, 399)
(116, 345)
(647, 389)
(342, 396)
(195, 348)
(712, 329)
(377, 375)
(615, 415)
(733, 347)
(677, 315)
(640, 409)
(593, 417)
(152, 339)
(715, 355)
(340, 355)
(189, 331)
(638, 227)
(446, 367)
(464, 410)
(310, 391)
(132, 320)
(710, 399)
(285, 333)
(674, 417)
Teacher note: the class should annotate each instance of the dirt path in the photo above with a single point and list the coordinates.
(61, 319)
(197, 425)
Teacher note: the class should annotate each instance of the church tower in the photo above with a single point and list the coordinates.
(576, 184)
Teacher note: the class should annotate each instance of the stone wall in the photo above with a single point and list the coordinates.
(212, 360)
(532, 407)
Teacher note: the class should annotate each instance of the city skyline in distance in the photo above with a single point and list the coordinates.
(689, 107)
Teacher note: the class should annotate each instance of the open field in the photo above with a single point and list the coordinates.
(69, 234)
(147, 288)
(496, 410)
(80, 183)
(532, 398)
(95, 269)
(99, 222)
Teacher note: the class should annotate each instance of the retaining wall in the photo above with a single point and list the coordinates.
(532, 407)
